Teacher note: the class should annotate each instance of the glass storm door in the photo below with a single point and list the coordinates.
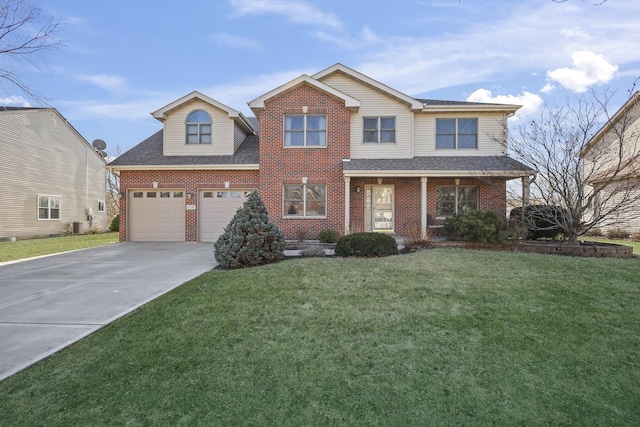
(381, 211)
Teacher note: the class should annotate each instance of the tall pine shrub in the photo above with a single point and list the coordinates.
(250, 239)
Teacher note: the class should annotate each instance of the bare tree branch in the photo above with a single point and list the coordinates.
(26, 32)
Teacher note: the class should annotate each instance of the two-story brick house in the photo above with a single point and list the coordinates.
(336, 150)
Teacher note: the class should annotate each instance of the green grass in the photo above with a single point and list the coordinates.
(11, 251)
(635, 245)
(440, 337)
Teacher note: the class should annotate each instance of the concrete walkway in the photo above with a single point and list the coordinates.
(48, 303)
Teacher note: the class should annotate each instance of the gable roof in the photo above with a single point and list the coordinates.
(340, 68)
(161, 114)
(349, 102)
(631, 103)
(148, 155)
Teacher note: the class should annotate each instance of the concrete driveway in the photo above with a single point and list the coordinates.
(49, 303)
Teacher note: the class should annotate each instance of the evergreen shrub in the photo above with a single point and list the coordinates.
(329, 236)
(366, 245)
(115, 223)
(479, 226)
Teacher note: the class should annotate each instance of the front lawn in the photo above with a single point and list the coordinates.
(11, 251)
(440, 337)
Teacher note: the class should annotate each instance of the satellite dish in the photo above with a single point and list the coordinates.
(99, 144)
(102, 153)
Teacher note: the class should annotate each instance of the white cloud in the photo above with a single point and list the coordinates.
(14, 100)
(588, 69)
(530, 101)
(238, 42)
(295, 11)
(105, 81)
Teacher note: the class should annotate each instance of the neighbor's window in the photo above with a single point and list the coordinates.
(305, 200)
(379, 129)
(198, 127)
(456, 133)
(100, 205)
(48, 207)
(451, 200)
(306, 130)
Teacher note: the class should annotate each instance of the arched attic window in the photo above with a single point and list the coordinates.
(198, 127)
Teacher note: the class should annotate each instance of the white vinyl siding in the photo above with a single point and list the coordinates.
(239, 135)
(490, 131)
(223, 134)
(374, 103)
(41, 154)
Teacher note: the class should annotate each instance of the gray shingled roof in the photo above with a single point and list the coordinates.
(149, 153)
(439, 163)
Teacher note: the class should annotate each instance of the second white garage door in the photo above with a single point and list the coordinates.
(156, 216)
(216, 208)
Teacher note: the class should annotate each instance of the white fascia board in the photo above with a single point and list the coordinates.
(349, 102)
(414, 103)
(478, 108)
(161, 113)
(431, 173)
(185, 167)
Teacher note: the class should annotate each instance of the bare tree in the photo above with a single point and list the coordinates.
(113, 184)
(26, 32)
(588, 162)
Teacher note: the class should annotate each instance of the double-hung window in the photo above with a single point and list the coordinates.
(379, 130)
(456, 133)
(198, 127)
(48, 207)
(305, 200)
(451, 200)
(305, 130)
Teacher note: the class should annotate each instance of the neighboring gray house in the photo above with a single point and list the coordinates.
(53, 180)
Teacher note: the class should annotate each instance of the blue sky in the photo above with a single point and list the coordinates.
(124, 59)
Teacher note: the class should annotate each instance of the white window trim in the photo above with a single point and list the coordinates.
(304, 203)
(455, 138)
(199, 134)
(101, 204)
(49, 197)
(455, 205)
(379, 129)
(304, 131)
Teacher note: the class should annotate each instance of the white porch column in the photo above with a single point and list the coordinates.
(423, 205)
(347, 200)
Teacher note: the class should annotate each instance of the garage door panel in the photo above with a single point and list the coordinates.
(216, 209)
(156, 216)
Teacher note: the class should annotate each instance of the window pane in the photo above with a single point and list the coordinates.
(43, 213)
(293, 192)
(177, 194)
(198, 116)
(446, 126)
(445, 141)
(388, 136)
(151, 194)
(388, 123)
(54, 202)
(192, 129)
(205, 129)
(205, 139)
(316, 200)
(294, 122)
(371, 123)
(43, 202)
(192, 139)
(467, 198)
(316, 122)
(445, 201)
(294, 138)
(236, 194)
(221, 194)
(316, 138)
(370, 136)
(164, 194)
(55, 213)
(294, 209)
(467, 125)
(467, 141)
(137, 194)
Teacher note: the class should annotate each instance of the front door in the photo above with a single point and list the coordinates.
(379, 208)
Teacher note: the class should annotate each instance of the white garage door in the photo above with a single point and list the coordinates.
(156, 216)
(216, 208)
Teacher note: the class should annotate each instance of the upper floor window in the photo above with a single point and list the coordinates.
(48, 207)
(306, 130)
(379, 129)
(451, 200)
(456, 133)
(305, 200)
(198, 127)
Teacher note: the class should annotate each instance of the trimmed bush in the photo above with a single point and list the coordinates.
(329, 236)
(250, 239)
(617, 234)
(542, 221)
(479, 226)
(366, 245)
(115, 223)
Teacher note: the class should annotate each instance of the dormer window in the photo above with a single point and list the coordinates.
(198, 127)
